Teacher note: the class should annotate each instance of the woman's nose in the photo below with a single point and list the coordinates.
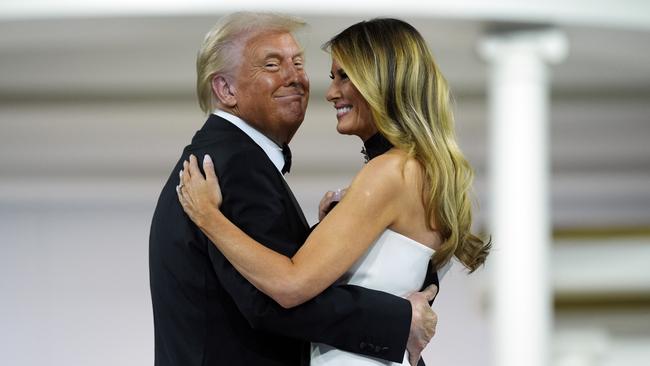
(333, 92)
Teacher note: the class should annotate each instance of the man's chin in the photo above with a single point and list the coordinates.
(294, 115)
(291, 127)
(296, 121)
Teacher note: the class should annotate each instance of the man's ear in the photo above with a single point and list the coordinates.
(224, 91)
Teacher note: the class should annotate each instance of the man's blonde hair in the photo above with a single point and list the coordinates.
(221, 48)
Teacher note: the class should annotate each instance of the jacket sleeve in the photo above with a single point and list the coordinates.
(347, 317)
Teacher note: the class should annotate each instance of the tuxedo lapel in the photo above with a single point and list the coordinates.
(296, 206)
(216, 125)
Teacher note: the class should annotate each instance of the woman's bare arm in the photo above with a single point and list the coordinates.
(344, 235)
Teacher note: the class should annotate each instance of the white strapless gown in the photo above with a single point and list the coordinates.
(395, 264)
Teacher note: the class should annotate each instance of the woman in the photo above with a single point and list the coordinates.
(410, 200)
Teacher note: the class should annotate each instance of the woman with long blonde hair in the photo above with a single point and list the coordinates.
(410, 203)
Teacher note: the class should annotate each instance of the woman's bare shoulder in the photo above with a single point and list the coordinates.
(391, 171)
(396, 163)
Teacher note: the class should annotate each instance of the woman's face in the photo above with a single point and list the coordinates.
(352, 111)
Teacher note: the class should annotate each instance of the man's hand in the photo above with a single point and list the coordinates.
(423, 322)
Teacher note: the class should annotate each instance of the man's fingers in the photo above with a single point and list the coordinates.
(430, 292)
(208, 168)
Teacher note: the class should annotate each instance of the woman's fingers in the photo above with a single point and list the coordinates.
(194, 167)
(186, 171)
(181, 198)
(186, 178)
(327, 197)
(329, 200)
(196, 193)
(208, 168)
(324, 204)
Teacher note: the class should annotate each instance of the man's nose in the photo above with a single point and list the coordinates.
(292, 75)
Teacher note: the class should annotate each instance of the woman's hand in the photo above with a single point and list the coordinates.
(200, 197)
(329, 200)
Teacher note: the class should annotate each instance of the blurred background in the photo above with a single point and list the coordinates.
(97, 101)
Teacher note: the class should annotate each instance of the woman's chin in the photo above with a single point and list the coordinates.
(343, 129)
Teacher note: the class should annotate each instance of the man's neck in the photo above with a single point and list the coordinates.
(278, 140)
(270, 147)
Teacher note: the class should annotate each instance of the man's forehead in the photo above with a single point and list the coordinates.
(274, 42)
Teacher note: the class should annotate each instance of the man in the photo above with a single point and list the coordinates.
(250, 74)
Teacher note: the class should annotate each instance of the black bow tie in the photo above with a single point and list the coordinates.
(286, 152)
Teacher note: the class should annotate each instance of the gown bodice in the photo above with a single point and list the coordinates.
(395, 264)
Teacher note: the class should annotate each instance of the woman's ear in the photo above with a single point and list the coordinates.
(224, 91)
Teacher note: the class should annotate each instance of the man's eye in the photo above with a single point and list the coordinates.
(271, 65)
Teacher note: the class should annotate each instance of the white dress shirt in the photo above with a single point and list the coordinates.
(272, 150)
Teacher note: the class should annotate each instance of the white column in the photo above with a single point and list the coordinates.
(519, 170)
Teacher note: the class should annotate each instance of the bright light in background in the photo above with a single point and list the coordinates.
(621, 13)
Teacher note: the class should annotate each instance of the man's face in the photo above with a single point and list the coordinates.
(271, 86)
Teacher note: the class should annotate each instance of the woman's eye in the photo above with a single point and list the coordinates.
(331, 76)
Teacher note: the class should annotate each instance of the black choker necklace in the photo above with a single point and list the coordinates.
(375, 146)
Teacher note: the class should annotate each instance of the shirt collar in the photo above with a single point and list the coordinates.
(272, 150)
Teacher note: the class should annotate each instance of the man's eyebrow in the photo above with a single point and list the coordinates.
(276, 54)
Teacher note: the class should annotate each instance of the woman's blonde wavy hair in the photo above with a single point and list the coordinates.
(392, 67)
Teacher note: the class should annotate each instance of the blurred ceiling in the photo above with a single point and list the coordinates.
(75, 64)
(155, 55)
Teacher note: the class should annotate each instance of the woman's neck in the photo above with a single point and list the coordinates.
(376, 145)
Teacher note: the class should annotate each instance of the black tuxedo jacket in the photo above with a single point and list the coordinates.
(206, 313)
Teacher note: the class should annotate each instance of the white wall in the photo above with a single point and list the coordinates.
(94, 112)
